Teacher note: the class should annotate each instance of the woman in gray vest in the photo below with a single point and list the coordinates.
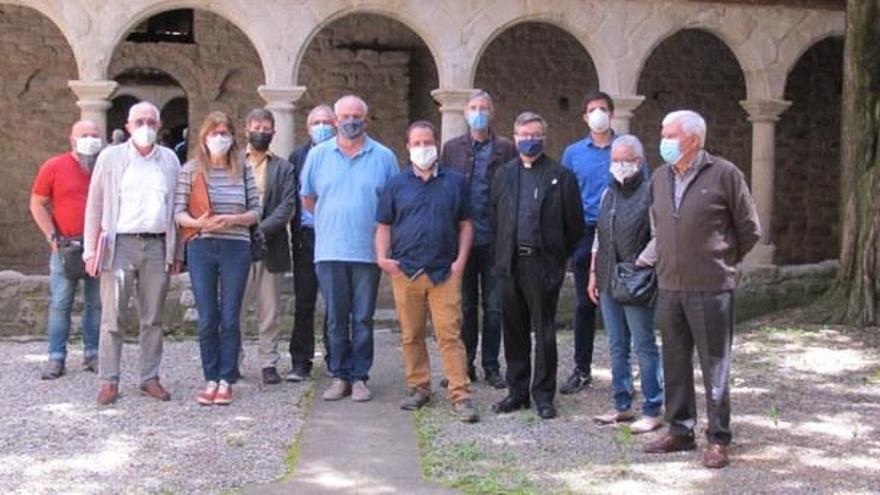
(623, 230)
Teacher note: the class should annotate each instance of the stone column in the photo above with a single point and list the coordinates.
(763, 114)
(280, 101)
(94, 101)
(624, 106)
(452, 103)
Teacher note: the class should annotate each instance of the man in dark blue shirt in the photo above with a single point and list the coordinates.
(423, 238)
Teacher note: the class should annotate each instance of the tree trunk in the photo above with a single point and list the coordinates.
(857, 289)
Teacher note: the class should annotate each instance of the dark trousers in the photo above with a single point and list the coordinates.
(585, 312)
(305, 287)
(528, 302)
(705, 320)
(480, 280)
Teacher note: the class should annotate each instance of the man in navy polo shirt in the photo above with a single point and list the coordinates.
(341, 182)
(589, 159)
(423, 238)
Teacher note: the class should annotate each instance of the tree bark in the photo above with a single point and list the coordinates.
(857, 289)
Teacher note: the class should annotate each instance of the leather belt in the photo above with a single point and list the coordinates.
(145, 235)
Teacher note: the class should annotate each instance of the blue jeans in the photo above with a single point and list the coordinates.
(61, 295)
(479, 279)
(585, 312)
(219, 265)
(349, 290)
(624, 325)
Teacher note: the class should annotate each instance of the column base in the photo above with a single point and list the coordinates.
(761, 254)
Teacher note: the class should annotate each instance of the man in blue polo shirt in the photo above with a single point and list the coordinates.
(341, 182)
(589, 159)
(424, 220)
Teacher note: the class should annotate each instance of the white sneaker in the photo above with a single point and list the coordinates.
(360, 392)
(645, 424)
(338, 389)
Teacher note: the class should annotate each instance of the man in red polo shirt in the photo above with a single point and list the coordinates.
(58, 203)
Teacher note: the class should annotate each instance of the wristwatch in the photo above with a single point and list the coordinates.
(52, 237)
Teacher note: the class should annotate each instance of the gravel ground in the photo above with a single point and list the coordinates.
(55, 439)
(806, 412)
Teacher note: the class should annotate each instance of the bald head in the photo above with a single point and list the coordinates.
(84, 128)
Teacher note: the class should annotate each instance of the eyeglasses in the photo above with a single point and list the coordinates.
(142, 122)
(219, 133)
(530, 136)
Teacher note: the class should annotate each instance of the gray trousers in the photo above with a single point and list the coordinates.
(703, 320)
(263, 293)
(139, 269)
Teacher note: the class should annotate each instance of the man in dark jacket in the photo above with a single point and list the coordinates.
(478, 154)
(705, 222)
(321, 123)
(538, 219)
(276, 183)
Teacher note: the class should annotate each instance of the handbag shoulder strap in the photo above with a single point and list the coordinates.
(611, 229)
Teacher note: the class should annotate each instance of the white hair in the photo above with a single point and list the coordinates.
(355, 98)
(691, 123)
(631, 142)
(143, 105)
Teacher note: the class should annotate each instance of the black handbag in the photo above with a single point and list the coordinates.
(70, 253)
(631, 285)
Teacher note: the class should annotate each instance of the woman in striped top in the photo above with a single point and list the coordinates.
(219, 255)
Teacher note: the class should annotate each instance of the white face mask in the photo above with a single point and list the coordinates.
(87, 145)
(144, 136)
(598, 120)
(423, 157)
(219, 144)
(624, 170)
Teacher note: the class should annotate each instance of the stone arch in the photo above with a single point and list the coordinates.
(678, 75)
(37, 63)
(379, 58)
(806, 218)
(228, 11)
(595, 50)
(220, 70)
(550, 82)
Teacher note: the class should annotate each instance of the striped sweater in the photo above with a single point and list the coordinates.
(229, 195)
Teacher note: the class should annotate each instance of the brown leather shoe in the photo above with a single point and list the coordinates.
(153, 389)
(108, 394)
(670, 443)
(715, 456)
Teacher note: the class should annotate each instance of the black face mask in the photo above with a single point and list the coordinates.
(260, 140)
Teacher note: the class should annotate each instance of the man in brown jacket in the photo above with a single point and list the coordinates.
(705, 222)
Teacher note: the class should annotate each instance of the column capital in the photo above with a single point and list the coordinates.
(93, 90)
(766, 110)
(452, 100)
(281, 97)
(624, 105)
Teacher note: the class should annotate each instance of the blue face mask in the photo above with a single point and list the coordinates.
(352, 129)
(321, 132)
(478, 120)
(670, 150)
(530, 147)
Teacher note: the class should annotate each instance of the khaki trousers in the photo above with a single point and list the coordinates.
(263, 292)
(413, 299)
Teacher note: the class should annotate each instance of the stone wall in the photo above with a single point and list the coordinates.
(382, 61)
(806, 226)
(24, 300)
(541, 68)
(695, 70)
(220, 71)
(36, 112)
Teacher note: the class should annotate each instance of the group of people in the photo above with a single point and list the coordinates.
(483, 224)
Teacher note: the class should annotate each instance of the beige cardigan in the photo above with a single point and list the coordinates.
(102, 207)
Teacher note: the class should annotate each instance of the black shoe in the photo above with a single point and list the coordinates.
(494, 379)
(472, 374)
(54, 369)
(270, 376)
(575, 383)
(444, 382)
(510, 404)
(416, 399)
(546, 411)
(298, 374)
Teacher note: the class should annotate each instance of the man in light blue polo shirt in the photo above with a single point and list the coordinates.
(341, 181)
(589, 159)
